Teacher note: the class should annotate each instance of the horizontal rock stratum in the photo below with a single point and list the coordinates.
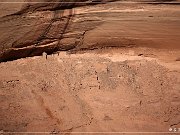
(29, 29)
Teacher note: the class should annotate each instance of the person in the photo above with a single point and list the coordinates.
(44, 54)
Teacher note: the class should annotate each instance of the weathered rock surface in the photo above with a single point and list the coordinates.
(37, 27)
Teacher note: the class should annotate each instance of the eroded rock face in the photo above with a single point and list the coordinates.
(37, 27)
(18, 7)
(29, 29)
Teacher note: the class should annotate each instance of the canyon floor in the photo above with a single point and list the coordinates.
(118, 71)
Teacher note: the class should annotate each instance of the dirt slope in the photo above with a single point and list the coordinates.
(89, 93)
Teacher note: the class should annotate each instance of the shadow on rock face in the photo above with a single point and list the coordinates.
(31, 28)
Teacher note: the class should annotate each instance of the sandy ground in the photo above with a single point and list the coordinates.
(124, 77)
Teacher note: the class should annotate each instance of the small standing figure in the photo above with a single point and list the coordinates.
(44, 54)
